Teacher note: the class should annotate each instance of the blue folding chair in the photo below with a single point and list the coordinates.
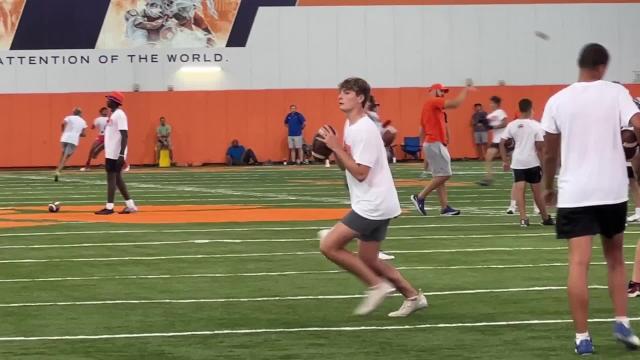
(411, 146)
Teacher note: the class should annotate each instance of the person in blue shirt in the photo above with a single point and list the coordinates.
(237, 155)
(294, 121)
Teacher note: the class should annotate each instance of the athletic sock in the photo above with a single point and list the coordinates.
(513, 203)
(130, 203)
(637, 211)
(582, 336)
(624, 320)
(109, 206)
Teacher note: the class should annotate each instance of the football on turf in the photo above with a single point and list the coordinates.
(319, 149)
(54, 207)
(629, 143)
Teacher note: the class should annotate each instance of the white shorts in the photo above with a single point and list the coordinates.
(439, 159)
(295, 142)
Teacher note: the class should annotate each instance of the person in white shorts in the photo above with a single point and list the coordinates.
(498, 122)
(73, 128)
(582, 124)
(526, 160)
(374, 202)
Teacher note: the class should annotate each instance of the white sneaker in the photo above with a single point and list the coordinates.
(83, 169)
(374, 297)
(423, 175)
(410, 306)
(634, 218)
(384, 256)
(512, 210)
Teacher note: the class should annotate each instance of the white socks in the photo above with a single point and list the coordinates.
(109, 206)
(637, 211)
(130, 204)
(582, 336)
(624, 320)
(513, 204)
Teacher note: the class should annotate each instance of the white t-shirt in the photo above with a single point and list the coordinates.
(112, 137)
(73, 126)
(525, 132)
(374, 198)
(589, 116)
(100, 123)
(496, 118)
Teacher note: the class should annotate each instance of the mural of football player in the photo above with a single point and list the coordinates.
(145, 27)
(188, 27)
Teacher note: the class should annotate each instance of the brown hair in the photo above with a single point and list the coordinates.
(357, 85)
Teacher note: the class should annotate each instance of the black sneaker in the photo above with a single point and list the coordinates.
(548, 221)
(524, 223)
(449, 211)
(419, 204)
(104, 211)
(55, 177)
(633, 290)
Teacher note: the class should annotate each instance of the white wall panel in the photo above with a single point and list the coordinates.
(408, 46)
(322, 56)
(351, 43)
(436, 44)
(380, 40)
(263, 49)
(294, 44)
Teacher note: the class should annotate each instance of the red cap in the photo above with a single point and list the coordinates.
(438, 87)
(116, 96)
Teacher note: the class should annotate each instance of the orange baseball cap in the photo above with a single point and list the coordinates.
(116, 96)
(438, 86)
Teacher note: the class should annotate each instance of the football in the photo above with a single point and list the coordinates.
(319, 149)
(54, 207)
(629, 143)
(510, 145)
(389, 135)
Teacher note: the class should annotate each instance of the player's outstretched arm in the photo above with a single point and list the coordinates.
(452, 104)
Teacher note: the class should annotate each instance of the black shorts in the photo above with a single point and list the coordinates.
(607, 220)
(630, 172)
(111, 166)
(367, 229)
(531, 175)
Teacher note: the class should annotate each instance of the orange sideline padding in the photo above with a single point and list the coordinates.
(205, 122)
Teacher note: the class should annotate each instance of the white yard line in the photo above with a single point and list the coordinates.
(241, 229)
(281, 298)
(205, 241)
(300, 330)
(281, 273)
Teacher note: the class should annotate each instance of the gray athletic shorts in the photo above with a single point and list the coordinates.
(439, 159)
(68, 148)
(295, 142)
(481, 137)
(367, 229)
